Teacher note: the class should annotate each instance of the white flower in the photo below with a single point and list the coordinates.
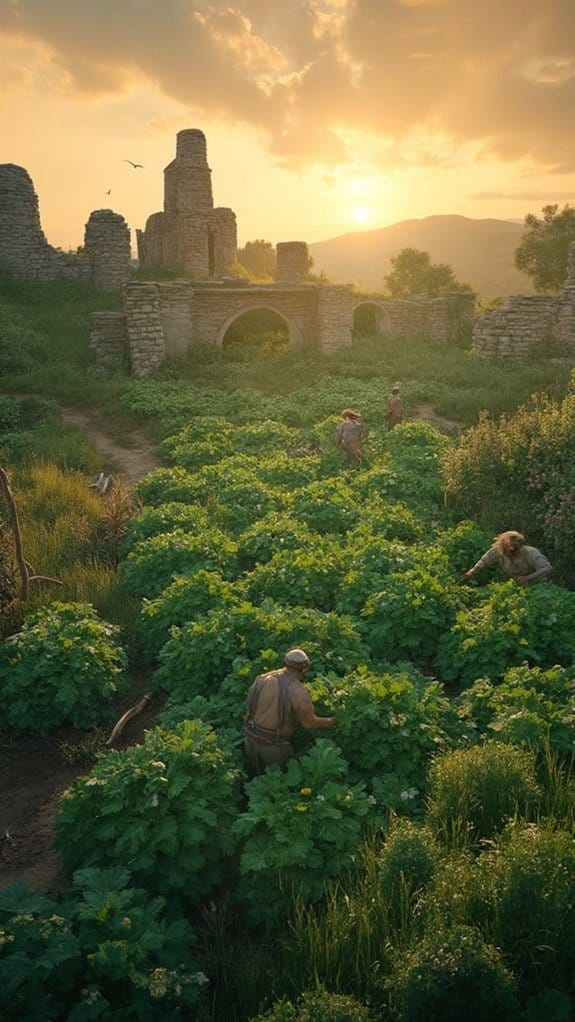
(155, 799)
(200, 978)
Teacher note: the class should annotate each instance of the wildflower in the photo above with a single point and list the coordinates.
(301, 807)
(200, 978)
(305, 791)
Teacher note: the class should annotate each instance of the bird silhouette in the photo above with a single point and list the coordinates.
(134, 165)
(109, 192)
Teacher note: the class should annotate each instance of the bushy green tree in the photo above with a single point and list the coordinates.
(414, 274)
(543, 250)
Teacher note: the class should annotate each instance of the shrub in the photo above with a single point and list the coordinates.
(317, 1006)
(408, 615)
(262, 438)
(530, 706)
(327, 506)
(388, 728)
(200, 654)
(515, 625)
(65, 666)
(523, 897)
(155, 562)
(157, 521)
(243, 502)
(162, 810)
(103, 952)
(451, 976)
(386, 519)
(203, 441)
(464, 545)
(271, 534)
(289, 471)
(300, 831)
(370, 559)
(167, 485)
(405, 866)
(473, 792)
(184, 599)
(305, 577)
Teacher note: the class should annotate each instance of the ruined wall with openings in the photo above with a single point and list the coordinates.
(446, 320)
(190, 235)
(525, 325)
(26, 255)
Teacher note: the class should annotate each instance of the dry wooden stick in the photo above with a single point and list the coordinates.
(132, 712)
(25, 569)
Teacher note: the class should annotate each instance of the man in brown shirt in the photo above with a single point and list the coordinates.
(350, 433)
(277, 701)
(394, 413)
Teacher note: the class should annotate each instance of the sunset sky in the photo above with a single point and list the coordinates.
(321, 116)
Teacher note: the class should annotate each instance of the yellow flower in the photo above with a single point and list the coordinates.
(301, 807)
(305, 791)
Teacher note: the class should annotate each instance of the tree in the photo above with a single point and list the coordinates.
(259, 258)
(543, 251)
(413, 274)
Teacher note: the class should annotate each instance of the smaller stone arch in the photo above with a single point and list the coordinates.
(294, 333)
(382, 321)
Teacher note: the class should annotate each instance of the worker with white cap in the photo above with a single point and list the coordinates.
(277, 701)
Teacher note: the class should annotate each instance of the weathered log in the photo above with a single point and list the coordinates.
(132, 712)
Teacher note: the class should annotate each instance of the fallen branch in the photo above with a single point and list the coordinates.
(132, 712)
(25, 568)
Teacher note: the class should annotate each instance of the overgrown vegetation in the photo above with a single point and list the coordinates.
(415, 864)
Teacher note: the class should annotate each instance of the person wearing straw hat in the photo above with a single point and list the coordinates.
(349, 435)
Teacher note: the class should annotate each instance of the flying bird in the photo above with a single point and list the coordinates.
(109, 192)
(134, 165)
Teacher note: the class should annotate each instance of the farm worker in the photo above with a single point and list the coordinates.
(350, 433)
(523, 563)
(276, 702)
(394, 413)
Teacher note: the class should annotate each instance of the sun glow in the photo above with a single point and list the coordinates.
(360, 214)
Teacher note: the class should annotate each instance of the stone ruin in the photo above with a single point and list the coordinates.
(190, 236)
(26, 255)
(527, 324)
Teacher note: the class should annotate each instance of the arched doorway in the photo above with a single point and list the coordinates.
(259, 329)
(370, 319)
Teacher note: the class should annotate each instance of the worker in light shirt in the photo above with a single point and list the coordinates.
(524, 564)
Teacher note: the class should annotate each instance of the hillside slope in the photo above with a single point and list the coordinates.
(481, 253)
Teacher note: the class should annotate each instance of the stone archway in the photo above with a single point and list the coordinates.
(295, 338)
(379, 314)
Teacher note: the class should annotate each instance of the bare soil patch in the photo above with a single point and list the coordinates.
(133, 459)
(426, 411)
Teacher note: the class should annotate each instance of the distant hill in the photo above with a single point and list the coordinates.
(481, 253)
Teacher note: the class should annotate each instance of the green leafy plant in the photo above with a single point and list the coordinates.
(199, 655)
(327, 506)
(157, 521)
(185, 599)
(299, 832)
(389, 726)
(168, 485)
(270, 535)
(514, 625)
(155, 562)
(64, 666)
(370, 559)
(409, 614)
(162, 809)
(305, 578)
(530, 706)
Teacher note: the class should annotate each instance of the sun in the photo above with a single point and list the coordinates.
(360, 214)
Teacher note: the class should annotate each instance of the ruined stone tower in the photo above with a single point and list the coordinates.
(190, 235)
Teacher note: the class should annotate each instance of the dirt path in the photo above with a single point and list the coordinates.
(426, 411)
(132, 461)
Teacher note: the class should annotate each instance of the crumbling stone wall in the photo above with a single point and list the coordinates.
(24, 251)
(26, 255)
(443, 320)
(190, 236)
(164, 319)
(525, 323)
(108, 341)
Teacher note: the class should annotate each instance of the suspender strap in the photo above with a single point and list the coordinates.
(283, 684)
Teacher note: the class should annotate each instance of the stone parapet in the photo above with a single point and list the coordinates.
(292, 262)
